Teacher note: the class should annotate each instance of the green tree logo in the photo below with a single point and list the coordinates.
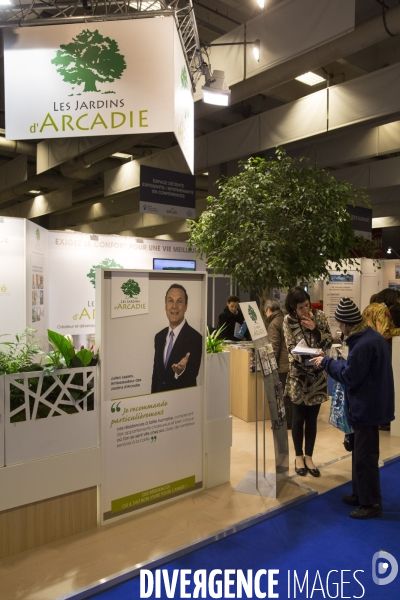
(252, 314)
(107, 262)
(130, 288)
(37, 234)
(89, 58)
(184, 78)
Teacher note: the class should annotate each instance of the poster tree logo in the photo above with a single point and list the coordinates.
(184, 78)
(252, 314)
(88, 59)
(37, 234)
(107, 262)
(130, 288)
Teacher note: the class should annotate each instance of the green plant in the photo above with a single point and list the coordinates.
(277, 222)
(20, 354)
(64, 355)
(214, 343)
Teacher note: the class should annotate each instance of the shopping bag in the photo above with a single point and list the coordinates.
(337, 416)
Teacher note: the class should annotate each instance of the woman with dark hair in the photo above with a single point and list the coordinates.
(378, 316)
(306, 387)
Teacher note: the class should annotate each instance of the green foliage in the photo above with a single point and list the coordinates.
(277, 222)
(89, 58)
(64, 356)
(107, 262)
(20, 354)
(130, 288)
(213, 342)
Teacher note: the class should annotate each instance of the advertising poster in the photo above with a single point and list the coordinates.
(152, 388)
(73, 260)
(36, 278)
(341, 285)
(254, 320)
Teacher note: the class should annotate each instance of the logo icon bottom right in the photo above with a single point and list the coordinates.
(381, 567)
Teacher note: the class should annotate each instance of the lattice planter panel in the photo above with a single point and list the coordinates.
(49, 415)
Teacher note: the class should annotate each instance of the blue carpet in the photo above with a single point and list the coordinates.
(313, 538)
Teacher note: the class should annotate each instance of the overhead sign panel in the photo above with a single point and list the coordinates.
(168, 193)
(91, 79)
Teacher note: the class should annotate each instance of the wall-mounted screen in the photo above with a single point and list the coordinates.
(169, 264)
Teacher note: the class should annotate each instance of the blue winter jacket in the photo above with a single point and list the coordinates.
(367, 377)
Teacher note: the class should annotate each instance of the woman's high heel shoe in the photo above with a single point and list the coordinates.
(302, 471)
(314, 472)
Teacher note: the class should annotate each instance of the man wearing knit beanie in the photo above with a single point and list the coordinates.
(367, 377)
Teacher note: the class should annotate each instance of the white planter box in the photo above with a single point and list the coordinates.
(45, 419)
(217, 385)
(218, 433)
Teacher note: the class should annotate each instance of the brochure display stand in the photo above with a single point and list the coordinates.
(270, 484)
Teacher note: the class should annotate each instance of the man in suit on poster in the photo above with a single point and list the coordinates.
(177, 348)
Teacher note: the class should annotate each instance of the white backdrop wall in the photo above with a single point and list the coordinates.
(47, 278)
(72, 260)
(12, 283)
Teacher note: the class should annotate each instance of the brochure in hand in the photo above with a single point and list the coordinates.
(303, 349)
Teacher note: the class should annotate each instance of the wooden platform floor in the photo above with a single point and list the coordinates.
(61, 567)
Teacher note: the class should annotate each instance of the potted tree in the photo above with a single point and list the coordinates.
(278, 222)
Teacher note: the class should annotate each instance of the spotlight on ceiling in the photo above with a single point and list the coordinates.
(310, 78)
(261, 3)
(33, 191)
(122, 155)
(390, 250)
(216, 90)
(257, 50)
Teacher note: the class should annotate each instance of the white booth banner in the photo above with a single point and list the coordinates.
(104, 78)
(254, 320)
(73, 259)
(152, 448)
(12, 283)
(129, 296)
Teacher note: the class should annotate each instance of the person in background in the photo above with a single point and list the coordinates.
(395, 311)
(274, 320)
(377, 313)
(379, 317)
(232, 317)
(367, 377)
(306, 387)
